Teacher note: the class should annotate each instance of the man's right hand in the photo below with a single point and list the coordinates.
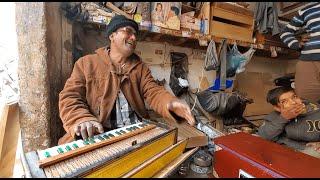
(293, 112)
(88, 129)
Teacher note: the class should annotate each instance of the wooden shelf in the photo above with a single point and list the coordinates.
(287, 12)
(175, 37)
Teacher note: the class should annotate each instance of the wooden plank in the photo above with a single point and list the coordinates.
(65, 63)
(4, 110)
(116, 9)
(54, 159)
(55, 60)
(165, 172)
(18, 168)
(217, 12)
(10, 141)
(233, 8)
(229, 31)
(295, 10)
(67, 59)
(195, 137)
(285, 6)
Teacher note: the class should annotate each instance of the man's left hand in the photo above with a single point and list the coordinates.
(182, 110)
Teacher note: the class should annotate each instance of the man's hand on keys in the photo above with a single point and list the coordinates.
(88, 129)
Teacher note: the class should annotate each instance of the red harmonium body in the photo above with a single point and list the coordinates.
(245, 155)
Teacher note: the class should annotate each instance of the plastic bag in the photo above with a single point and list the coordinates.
(237, 61)
(211, 59)
(178, 76)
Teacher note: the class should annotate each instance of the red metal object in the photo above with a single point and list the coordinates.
(242, 152)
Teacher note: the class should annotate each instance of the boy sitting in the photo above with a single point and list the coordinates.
(294, 123)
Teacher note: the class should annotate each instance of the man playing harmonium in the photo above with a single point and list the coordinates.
(107, 89)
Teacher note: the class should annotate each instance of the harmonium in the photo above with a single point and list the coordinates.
(144, 149)
(242, 155)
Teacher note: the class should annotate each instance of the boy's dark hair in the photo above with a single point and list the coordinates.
(274, 94)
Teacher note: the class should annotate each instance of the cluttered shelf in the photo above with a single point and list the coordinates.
(196, 40)
(219, 23)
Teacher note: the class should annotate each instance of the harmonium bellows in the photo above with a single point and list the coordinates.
(116, 153)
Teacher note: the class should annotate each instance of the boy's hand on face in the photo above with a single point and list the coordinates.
(314, 145)
(293, 111)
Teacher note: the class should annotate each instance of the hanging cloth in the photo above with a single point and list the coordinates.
(211, 60)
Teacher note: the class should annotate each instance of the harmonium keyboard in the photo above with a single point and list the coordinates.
(137, 150)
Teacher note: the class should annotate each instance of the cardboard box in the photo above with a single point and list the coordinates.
(256, 86)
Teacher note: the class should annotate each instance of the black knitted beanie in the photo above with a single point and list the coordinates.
(120, 21)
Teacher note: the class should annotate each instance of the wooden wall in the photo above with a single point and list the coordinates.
(45, 62)
(60, 62)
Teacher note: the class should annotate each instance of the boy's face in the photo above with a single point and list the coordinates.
(288, 100)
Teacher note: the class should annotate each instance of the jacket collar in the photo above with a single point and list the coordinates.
(131, 63)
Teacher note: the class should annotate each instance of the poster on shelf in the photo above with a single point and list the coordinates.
(166, 14)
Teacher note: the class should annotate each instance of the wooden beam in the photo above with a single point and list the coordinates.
(116, 9)
(157, 37)
(10, 136)
(67, 59)
(180, 41)
(4, 110)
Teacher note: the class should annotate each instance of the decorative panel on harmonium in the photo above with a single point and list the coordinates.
(118, 153)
